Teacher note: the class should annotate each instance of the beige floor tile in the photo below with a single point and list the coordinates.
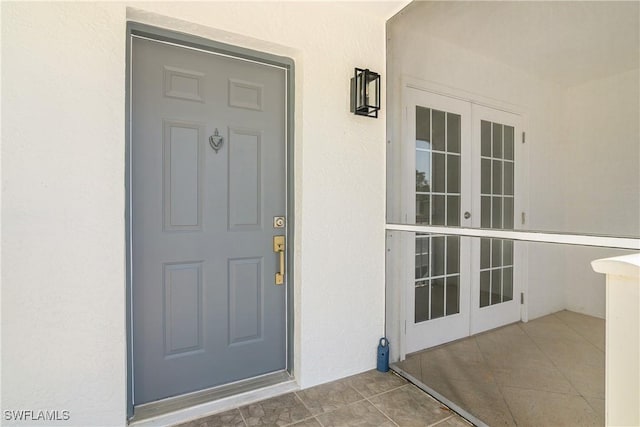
(588, 380)
(482, 400)
(467, 344)
(374, 382)
(362, 413)
(411, 365)
(454, 421)
(598, 406)
(514, 329)
(230, 418)
(589, 327)
(570, 352)
(330, 396)
(508, 375)
(309, 422)
(410, 406)
(549, 327)
(536, 408)
(533, 374)
(443, 362)
(501, 350)
(277, 411)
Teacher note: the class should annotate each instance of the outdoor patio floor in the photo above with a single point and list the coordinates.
(368, 399)
(547, 372)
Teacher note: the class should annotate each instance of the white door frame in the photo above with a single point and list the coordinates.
(207, 45)
(502, 313)
(396, 276)
(435, 331)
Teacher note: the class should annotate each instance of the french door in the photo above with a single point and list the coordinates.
(460, 172)
(496, 279)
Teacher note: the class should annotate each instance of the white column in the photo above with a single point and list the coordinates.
(622, 370)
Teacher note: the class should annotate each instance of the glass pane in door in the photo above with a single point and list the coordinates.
(438, 177)
(496, 211)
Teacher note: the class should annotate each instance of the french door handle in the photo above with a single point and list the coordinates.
(279, 247)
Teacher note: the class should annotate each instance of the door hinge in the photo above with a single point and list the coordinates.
(524, 218)
(521, 298)
(524, 139)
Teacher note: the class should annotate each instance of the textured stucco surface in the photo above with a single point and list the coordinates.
(63, 157)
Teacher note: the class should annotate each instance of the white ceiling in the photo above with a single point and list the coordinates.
(382, 9)
(567, 42)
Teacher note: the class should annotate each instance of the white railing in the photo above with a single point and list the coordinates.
(622, 349)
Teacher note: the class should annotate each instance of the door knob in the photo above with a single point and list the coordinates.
(467, 215)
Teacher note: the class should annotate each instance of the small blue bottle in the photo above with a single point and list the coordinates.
(383, 355)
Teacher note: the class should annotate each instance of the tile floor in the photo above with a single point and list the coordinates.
(547, 372)
(368, 399)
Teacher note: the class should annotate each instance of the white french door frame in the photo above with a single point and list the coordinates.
(404, 242)
(435, 331)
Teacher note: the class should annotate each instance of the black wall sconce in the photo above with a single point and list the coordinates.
(365, 93)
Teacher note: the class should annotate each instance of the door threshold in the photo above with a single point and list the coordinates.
(179, 409)
(451, 405)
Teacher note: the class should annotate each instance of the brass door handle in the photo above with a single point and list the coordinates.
(279, 247)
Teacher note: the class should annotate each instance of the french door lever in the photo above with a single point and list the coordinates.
(279, 247)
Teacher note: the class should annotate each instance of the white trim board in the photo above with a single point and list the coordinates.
(614, 242)
(464, 95)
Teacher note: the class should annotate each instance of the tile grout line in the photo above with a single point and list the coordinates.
(441, 421)
(579, 394)
(242, 416)
(363, 398)
(591, 406)
(575, 330)
(562, 370)
(299, 421)
(452, 406)
(295, 393)
(498, 387)
(555, 365)
(409, 384)
(380, 410)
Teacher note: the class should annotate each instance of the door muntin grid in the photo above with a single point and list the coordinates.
(437, 277)
(438, 190)
(437, 167)
(497, 168)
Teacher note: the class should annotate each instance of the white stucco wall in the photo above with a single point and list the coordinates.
(601, 124)
(63, 194)
(601, 137)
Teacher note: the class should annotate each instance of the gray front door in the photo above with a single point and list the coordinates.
(208, 178)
